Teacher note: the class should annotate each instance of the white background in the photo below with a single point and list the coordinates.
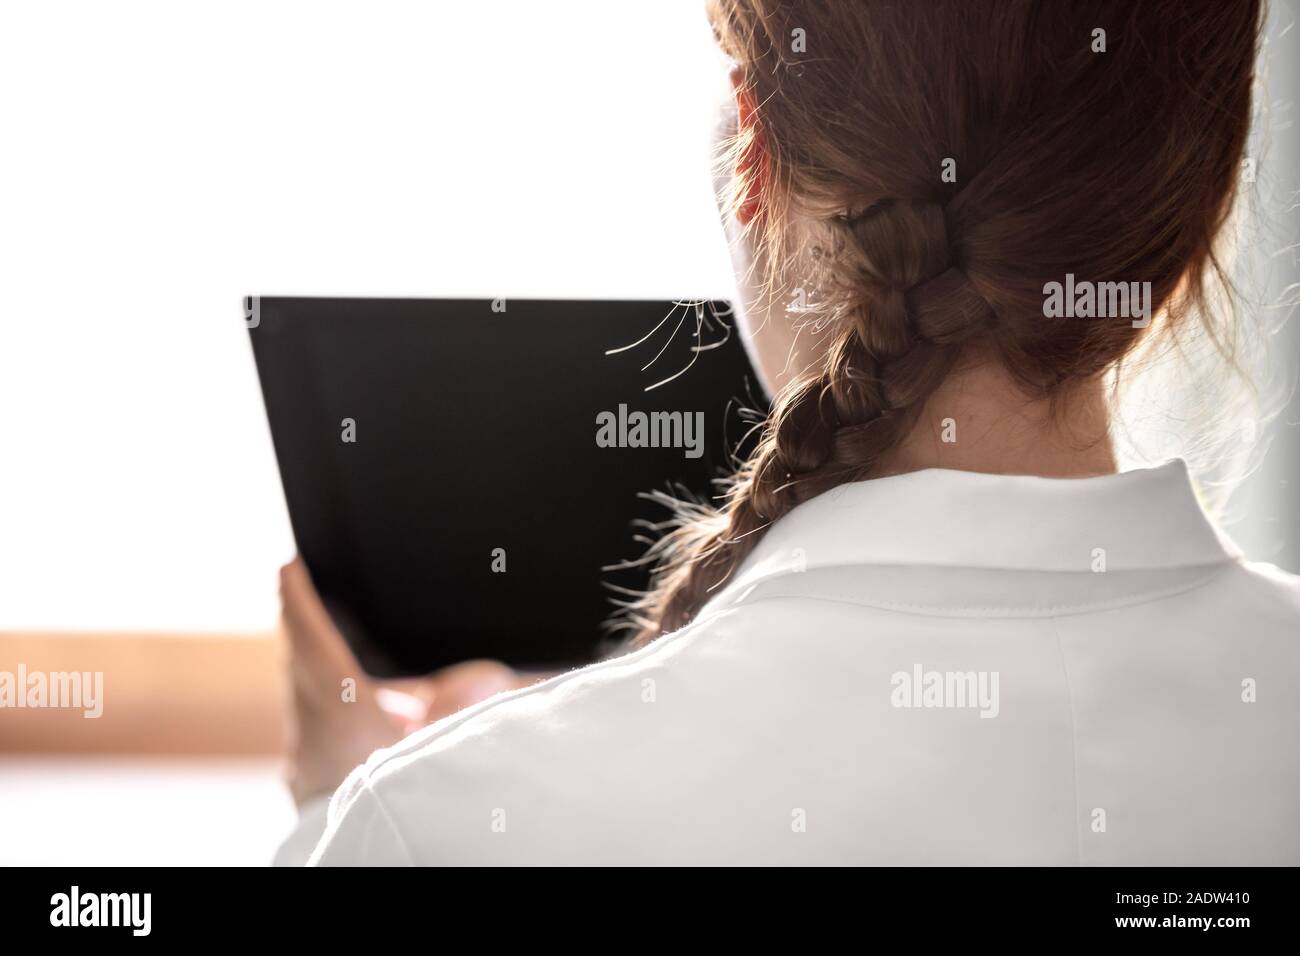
(158, 161)
(161, 160)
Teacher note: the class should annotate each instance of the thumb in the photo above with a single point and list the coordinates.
(462, 685)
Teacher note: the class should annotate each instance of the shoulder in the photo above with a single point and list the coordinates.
(1269, 592)
(510, 762)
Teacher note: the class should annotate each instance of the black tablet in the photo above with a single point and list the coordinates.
(459, 472)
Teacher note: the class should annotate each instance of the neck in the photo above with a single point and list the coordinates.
(978, 420)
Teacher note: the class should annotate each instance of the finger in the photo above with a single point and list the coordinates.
(313, 628)
(406, 710)
(315, 641)
(463, 685)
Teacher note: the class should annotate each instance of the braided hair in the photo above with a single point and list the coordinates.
(1113, 165)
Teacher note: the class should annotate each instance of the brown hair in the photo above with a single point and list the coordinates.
(1119, 165)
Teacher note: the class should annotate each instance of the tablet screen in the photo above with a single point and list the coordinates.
(460, 474)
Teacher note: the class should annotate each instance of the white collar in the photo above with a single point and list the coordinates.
(1146, 519)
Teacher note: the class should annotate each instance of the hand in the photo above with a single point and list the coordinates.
(339, 714)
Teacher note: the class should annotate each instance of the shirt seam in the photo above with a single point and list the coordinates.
(388, 818)
(743, 584)
(448, 724)
(835, 596)
(1074, 740)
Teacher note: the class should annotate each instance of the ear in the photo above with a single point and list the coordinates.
(751, 164)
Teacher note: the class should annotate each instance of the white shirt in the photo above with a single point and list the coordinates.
(936, 668)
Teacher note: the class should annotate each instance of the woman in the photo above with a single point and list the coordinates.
(929, 622)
